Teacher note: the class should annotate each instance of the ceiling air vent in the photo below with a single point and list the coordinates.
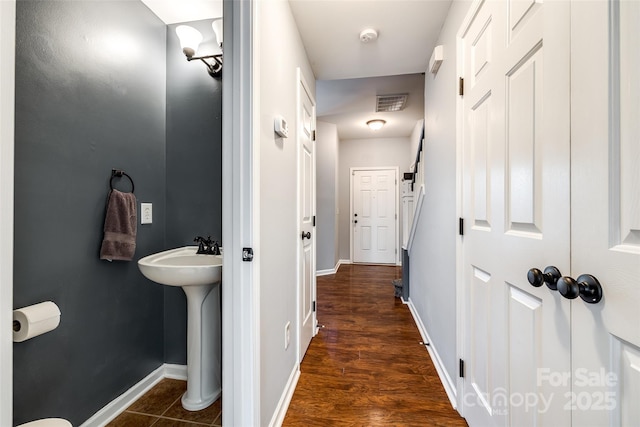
(387, 103)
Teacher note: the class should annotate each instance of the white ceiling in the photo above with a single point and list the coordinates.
(176, 11)
(351, 73)
(407, 32)
(350, 103)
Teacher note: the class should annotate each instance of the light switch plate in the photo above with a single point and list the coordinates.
(146, 213)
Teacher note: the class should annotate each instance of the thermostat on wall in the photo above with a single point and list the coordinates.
(281, 127)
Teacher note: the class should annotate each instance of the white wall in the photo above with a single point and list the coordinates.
(433, 255)
(374, 152)
(279, 52)
(326, 195)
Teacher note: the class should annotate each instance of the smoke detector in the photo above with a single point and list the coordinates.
(368, 35)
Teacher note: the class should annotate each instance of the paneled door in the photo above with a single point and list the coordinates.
(306, 182)
(374, 216)
(605, 211)
(515, 205)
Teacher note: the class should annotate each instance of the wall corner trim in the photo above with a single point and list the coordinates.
(122, 402)
(285, 399)
(447, 382)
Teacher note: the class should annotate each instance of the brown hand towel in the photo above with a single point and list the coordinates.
(120, 227)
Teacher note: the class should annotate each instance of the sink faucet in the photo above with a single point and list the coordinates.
(207, 246)
(201, 241)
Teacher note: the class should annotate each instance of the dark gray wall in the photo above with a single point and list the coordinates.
(85, 103)
(194, 167)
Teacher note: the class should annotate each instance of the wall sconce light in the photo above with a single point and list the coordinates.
(376, 124)
(190, 39)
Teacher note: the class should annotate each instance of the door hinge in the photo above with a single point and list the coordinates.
(314, 220)
(314, 307)
(461, 226)
(461, 368)
(313, 135)
(461, 87)
(396, 216)
(247, 254)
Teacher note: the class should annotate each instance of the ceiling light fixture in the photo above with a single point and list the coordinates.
(190, 39)
(376, 124)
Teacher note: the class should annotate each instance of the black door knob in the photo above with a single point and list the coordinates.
(355, 222)
(306, 235)
(550, 277)
(355, 214)
(586, 287)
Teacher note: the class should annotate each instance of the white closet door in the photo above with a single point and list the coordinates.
(605, 211)
(516, 207)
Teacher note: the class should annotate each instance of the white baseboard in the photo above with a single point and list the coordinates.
(285, 399)
(176, 372)
(326, 272)
(333, 270)
(122, 402)
(447, 382)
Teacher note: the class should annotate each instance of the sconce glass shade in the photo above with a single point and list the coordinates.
(376, 124)
(190, 39)
(217, 30)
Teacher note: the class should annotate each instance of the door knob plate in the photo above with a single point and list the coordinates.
(586, 287)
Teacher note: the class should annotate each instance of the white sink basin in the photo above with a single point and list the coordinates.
(182, 267)
(199, 277)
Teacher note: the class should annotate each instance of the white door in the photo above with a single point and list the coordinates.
(605, 212)
(306, 182)
(515, 204)
(374, 216)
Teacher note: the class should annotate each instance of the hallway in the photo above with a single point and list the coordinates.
(366, 366)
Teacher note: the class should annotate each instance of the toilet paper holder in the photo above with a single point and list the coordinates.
(34, 320)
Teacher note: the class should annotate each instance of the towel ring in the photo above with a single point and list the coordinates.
(118, 173)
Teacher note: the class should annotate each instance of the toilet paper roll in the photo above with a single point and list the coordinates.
(34, 320)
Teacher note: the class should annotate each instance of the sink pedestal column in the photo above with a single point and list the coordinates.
(203, 346)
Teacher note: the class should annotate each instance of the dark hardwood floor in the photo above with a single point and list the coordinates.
(366, 367)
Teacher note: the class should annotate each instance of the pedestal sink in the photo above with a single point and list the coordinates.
(198, 275)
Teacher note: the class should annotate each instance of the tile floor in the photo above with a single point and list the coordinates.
(161, 407)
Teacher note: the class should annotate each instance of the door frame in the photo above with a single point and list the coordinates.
(460, 285)
(396, 170)
(300, 80)
(240, 374)
(240, 218)
(7, 146)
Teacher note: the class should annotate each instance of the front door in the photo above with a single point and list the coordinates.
(605, 211)
(515, 204)
(374, 216)
(306, 152)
